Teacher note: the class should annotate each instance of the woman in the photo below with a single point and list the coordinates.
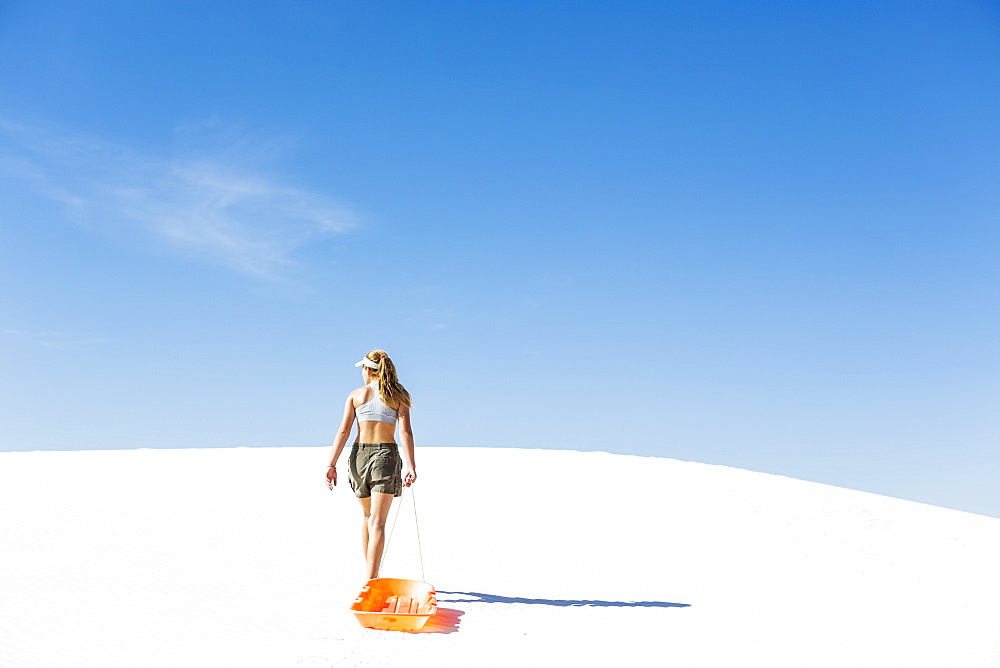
(374, 466)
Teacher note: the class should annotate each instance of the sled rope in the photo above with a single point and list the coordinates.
(420, 550)
(395, 520)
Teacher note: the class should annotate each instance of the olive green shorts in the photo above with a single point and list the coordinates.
(375, 467)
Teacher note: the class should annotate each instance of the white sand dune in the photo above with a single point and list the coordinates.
(242, 557)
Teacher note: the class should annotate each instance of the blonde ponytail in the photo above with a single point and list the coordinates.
(392, 393)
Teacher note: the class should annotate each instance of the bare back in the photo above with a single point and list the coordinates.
(372, 432)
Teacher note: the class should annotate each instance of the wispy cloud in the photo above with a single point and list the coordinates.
(52, 339)
(430, 318)
(212, 207)
(68, 344)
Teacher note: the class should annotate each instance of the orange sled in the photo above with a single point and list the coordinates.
(392, 604)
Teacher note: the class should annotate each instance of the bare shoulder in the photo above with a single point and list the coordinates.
(359, 395)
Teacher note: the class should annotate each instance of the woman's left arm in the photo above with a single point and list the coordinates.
(338, 443)
(406, 436)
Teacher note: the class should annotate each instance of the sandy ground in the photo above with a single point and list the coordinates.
(242, 557)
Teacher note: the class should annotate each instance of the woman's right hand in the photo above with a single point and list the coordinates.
(331, 477)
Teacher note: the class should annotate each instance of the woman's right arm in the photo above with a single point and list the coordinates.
(406, 436)
(338, 443)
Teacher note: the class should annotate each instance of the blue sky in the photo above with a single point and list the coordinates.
(759, 234)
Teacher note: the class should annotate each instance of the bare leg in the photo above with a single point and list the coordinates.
(366, 508)
(380, 504)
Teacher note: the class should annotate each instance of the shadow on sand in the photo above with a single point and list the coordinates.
(477, 597)
(446, 620)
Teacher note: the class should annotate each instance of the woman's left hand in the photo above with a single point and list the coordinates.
(410, 477)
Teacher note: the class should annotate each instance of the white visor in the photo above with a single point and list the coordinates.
(368, 363)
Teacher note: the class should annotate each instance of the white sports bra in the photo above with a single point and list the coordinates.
(375, 410)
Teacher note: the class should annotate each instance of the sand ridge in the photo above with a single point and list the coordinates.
(241, 556)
